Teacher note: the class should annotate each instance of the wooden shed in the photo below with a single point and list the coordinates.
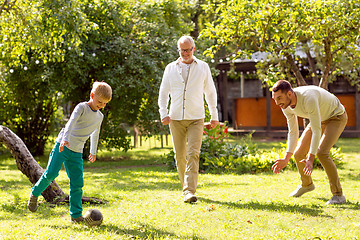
(248, 106)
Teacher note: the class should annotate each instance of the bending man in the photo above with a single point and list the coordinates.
(328, 119)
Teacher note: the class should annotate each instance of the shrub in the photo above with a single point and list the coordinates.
(217, 155)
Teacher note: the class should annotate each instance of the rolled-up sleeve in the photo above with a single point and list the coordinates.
(164, 93)
(293, 133)
(210, 94)
(315, 123)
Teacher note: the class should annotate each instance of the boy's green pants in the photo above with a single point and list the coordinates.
(73, 163)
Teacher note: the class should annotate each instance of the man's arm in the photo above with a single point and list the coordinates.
(293, 130)
(164, 92)
(211, 96)
(281, 163)
(292, 137)
(313, 109)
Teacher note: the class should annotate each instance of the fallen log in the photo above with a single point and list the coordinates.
(26, 163)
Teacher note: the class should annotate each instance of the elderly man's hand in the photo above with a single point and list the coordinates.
(166, 120)
(214, 123)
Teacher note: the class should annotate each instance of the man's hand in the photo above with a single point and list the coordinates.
(279, 165)
(166, 120)
(308, 166)
(214, 123)
(62, 144)
(92, 158)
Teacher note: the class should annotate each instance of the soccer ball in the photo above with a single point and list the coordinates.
(93, 217)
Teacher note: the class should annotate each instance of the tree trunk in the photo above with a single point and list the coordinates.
(195, 19)
(28, 166)
(295, 69)
(312, 64)
(324, 82)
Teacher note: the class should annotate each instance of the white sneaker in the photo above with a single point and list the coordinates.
(190, 198)
(301, 190)
(336, 200)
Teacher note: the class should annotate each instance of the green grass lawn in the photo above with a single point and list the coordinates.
(145, 202)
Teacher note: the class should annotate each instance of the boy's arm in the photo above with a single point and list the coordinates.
(94, 139)
(75, 115)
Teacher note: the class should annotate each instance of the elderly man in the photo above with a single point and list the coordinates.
(328, 119)
(186, 81)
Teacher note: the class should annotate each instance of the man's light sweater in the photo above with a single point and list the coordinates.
(83, 123)
(315, 104)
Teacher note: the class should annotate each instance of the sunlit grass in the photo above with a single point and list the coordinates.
(145, 202)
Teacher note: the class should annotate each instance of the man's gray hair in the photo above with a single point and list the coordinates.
(184, 39)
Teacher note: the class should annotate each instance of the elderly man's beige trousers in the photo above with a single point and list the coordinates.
(332, 129)
(187, 157)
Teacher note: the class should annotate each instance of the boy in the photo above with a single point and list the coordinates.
(85, 122)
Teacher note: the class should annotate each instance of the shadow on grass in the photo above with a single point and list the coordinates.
(273, 206)
(13, 185)
(130, 179)
(348, 205)
(354, 177)
(45, 210)
(142, 231)
(8, 165)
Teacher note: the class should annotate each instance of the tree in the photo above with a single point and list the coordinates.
(129, 49)
(125, 43)
(46, 28)
(33, 34)
(326, 31)
(53, 51)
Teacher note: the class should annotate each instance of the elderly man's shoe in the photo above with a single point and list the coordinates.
(190, 198)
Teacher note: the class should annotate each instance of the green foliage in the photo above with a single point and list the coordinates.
(29, 105)
(45, 27)
(218, 155)
(125, 43)
(328, 31)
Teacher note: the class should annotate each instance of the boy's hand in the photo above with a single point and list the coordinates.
(92, 158)
(62, 144)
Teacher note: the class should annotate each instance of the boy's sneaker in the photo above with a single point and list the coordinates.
(77, 220)
(301, 190)
(336, 200)
(32, 203)
(190, 198)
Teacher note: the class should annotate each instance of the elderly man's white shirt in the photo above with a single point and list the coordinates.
(187, 97)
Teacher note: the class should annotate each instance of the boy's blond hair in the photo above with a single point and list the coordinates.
(102, 89)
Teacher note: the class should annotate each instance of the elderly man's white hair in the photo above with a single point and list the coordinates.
(184, 39)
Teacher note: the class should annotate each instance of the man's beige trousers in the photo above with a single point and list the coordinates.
(187, 157)
(332, 129)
